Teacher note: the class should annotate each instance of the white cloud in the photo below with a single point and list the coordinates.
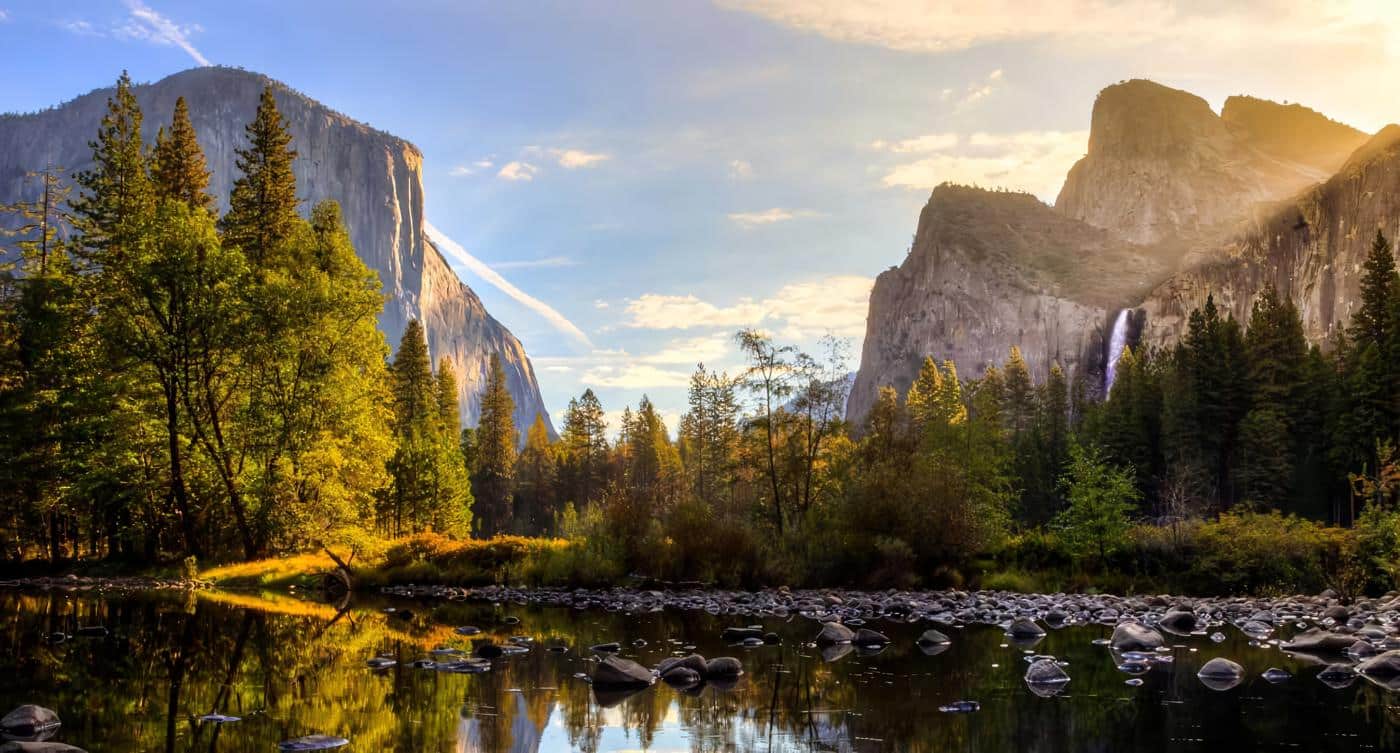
(4, 15)
(947, 25)
(740, 170)
(1034, 161)
(518, 171)
(148, 25)
(635, 376)
(768, 216)
(461, 171)
(569, 159)
(455, 251)
(546, 262)
(835, 304)
(932, 142)
(669, 366)
(981, 90)
(81, 28)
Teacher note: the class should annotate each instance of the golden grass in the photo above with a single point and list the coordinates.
(272, 571)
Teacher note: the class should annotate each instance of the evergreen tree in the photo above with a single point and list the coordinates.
(445, 390)
(117, 200)
(178, 170)
(534, 482)
(584, 450)
(413, 392)
(493, 479)
(1370, 323)
(263, 207)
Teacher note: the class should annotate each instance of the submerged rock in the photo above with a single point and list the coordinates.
(934, 638)
(1317, 641)
(723, 666)
(30, 723)
(1025, 629)
(1276, 675)
(1382, 666)
(681, 677)
(694, 662)
(313, 742)
(220, 719)
(1337, 676)
(866, 638)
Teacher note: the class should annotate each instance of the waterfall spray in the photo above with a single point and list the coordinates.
(1116, 342)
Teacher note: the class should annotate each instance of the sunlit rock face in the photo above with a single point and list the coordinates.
(1161, 164)
(1310, 247)
(989, 270)
(376, 177)
(1170, 203)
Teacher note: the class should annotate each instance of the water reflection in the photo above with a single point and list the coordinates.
(290, 668)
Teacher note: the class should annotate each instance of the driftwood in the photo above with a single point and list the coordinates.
(341, 581)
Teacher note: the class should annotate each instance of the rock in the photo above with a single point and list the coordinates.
(606, 648)
(467, 630)
(1337, 676)
(20, 746)
(1023, 628)
(30, 723)
(834, 632)
(960, 707)
(1131, 636)
(380, 662)
(313, 742)
(1316, 641)
(739, 634)
(1180, 621)
(723, 666)
(617, 672)
(1046, 672)
(867, 638)
(1276, 675)
(694, 662)
(932, 637)
(1221, 674)
(1381, 666)
(488, 651)
(681, 677)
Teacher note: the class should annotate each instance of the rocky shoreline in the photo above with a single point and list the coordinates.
(93, 583)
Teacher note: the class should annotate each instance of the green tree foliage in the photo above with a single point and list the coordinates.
(583, 451)
(496, 441)
(262, 210)
(535, 481)
(178, 170)
(1102, 497)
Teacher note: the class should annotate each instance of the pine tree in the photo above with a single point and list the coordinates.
(178, 169)
(413, 390)
(1370, 323)
(117, 200)
(263, 207)
(534, 482)
(584, 450)
(493, 481)
(449, 413)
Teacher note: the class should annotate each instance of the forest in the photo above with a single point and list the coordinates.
(180, 388)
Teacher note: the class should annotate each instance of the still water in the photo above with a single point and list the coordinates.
(289, 668)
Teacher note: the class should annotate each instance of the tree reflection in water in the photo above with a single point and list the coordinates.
(290, 667)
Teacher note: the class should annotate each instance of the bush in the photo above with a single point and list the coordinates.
(1262, 553)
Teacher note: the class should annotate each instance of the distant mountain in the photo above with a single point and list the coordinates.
(1170, 203)
(376, 177)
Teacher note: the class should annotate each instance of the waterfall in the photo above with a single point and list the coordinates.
(1116, 342)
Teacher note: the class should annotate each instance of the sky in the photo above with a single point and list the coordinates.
(626, 184)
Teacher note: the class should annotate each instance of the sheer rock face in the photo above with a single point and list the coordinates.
(989, 270)
(376, 177)
(1311, 248)
(1144, 221)
(1161, 164)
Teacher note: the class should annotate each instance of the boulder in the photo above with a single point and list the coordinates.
(869, 638)
(1132, 636)
(695, 663)
(723, 666)
(1220, 674)
(617, 672)
(1178, 620)
(21, 746)
(681, 677)
(30, 723)
(739, 634)
(934, 638)
(1025, 629)
(1318, 641)
(834, 632)
(1381, 666)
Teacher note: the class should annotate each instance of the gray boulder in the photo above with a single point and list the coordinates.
(1220, 674)
(1381, 666)
(723, 666)
(21, 746)
(934, 638)
(1025, 629)
(695, 663)
(1318, 641)
(867, 638)
(1132, 636)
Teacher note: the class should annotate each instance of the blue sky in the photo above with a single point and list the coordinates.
(662, 173)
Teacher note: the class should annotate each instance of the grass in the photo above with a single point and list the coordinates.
(425, 558)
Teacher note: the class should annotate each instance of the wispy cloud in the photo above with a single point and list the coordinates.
(740, 170)
(1034, 161)
(462, 171)
(569, 159)
(518, 171)
(455, 252)
(4, 15)
(148, 25)
(768, 216)
(835, 304)
(546, 262)
(670, 365)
